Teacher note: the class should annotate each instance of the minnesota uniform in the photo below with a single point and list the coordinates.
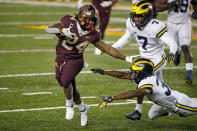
(167, 100)
(150, 39)
(69, 53)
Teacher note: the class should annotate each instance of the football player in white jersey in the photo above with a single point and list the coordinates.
(148, 84)
(151, 34)
(179, 27)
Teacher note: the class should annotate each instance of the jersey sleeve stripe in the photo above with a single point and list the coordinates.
(146, 85)
(184, 107)
(161, 32)
(160, 63)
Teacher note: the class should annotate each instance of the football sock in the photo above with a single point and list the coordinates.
(139, 107)
(81, 106)
(69, 102)
(189, 66)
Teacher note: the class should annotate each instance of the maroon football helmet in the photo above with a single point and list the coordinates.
(88, 17)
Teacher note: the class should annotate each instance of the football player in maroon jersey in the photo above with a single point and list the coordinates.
(75, 33)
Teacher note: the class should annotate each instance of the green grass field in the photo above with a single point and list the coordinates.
(25, 53)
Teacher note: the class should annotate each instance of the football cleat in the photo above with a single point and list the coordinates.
(84, 117)
(69, 112)
(136, 115)
(177, 59)
(188, 78)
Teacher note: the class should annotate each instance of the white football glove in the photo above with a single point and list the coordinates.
(79, 4)
(130, 58)
(66, 32)
(106, 3)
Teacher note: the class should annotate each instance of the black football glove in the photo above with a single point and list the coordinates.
(194, 15)
(98, 70)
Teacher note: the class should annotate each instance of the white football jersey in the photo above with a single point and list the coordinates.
(150, 46)
(161, 93)
(180, 15)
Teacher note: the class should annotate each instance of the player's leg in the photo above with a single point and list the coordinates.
(82, 107)
(185, 40)
(159, 65)
(68, 92)
(172, 30)
(157, 111)
(185, 105)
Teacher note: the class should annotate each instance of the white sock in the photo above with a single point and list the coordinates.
(189, 66)
(81, 106)
(69, 102)
(139, 107)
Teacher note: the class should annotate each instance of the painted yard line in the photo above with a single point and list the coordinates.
(89, 97)
(3, 88)
(35, 13)
(62, 107)
(82, 72)
(36, 93)
(26, 35)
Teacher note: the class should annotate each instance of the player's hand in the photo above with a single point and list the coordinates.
(98, 70)
(170, 57)
(106, 3)
(130, 58)
(194, 15)
(66, 32)
(105, 101)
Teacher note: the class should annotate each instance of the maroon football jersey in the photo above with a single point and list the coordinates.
(73, 49)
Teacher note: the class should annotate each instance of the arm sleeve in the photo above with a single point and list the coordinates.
(168, 40)
(123, 40)
(52, 30)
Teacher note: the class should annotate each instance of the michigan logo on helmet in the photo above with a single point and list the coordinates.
(87, 17)
(141, 69)
(141, 13)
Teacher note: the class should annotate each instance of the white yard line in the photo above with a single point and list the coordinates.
(62, 107)
(82, 72)
(36, 93)
(3, 88)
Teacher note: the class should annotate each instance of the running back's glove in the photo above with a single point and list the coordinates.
(170, 57)
(98, 70)
(105, 101)
(194, 15)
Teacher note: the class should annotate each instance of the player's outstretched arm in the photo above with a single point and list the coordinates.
(117, 74)
(124, 95)
(112, 51)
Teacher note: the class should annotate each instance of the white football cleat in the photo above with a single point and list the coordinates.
(97, 51)
(69, 112)
(84, 117)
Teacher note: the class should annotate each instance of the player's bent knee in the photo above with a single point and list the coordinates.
(150, 115)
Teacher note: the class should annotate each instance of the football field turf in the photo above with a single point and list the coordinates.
(31, 99)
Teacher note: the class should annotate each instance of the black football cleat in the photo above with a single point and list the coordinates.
(136, 115)
(177, 59)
